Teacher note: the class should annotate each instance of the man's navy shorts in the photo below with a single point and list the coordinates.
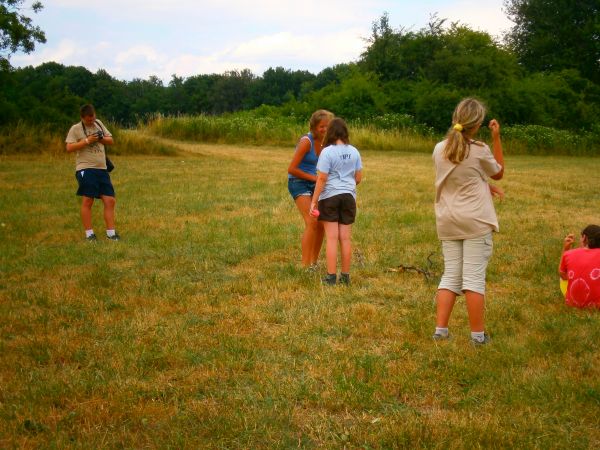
(94, 183)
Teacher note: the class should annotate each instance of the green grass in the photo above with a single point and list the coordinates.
(199, 329)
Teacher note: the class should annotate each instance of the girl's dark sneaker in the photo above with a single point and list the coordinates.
(114, 237)
(91, 238)
(344, 279)
(329, 279)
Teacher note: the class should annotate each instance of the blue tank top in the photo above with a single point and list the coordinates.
(309, 162)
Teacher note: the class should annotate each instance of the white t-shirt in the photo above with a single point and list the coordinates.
(91, 156)
(340, 163)
(464, 208)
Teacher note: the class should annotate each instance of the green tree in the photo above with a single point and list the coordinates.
(17, 33)
(230, 92)
(551, 35)
(277, 86)
(357, 96)
(384, 53)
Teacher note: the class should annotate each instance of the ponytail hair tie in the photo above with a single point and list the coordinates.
(458, 127)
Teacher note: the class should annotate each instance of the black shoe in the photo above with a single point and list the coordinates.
(91, 238)
(344, 279)
(329, 279)
(114, 237)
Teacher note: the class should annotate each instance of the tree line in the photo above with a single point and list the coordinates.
(546, 72)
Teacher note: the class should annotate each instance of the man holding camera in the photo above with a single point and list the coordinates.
(88, 139)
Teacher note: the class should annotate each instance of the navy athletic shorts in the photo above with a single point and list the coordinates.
(94, 183)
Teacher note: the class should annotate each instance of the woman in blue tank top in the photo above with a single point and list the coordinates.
(302, 176)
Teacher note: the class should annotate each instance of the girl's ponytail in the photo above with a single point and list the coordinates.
(467, 116)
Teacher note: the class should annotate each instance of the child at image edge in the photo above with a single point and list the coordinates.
(339, 171)
(580, 268)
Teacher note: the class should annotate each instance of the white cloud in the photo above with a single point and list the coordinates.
(486, 15)
(144, 61)
(139, 54)
(66, 50)
(188, 65)
(328, 48)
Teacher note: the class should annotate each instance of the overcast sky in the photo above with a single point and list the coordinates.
(139, 38)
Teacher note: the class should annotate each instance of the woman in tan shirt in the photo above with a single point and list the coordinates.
(465, 214)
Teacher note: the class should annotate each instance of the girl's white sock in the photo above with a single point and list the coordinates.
(478, 336)
(441, 331)
(88, 233)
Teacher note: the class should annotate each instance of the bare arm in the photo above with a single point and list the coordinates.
(494, 127)
(496, 191)
(358, 176)
(107, 140)
(76, 146)
(567, 244)
(321, 180)
(301, 150)
(82, 143)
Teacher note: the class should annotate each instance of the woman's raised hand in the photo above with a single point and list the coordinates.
(494, 127)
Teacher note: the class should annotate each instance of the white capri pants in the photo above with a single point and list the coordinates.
(465, 263)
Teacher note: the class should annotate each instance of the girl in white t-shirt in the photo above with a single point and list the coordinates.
(465, 214)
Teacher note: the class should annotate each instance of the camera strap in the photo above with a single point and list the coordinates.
(97, 124)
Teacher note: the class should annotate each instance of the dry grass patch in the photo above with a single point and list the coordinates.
(200, 329)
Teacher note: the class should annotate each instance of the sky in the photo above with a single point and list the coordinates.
(142, 38)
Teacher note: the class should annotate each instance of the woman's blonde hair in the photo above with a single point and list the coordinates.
(317, 116)
(467, 116)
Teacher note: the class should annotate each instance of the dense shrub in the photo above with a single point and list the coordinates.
(538, 140)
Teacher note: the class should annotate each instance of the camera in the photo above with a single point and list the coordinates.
(100, 134)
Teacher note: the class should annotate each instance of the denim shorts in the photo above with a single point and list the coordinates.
(94, 183)
(298, 187)
(465, 264)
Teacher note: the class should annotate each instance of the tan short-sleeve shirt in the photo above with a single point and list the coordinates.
(464, 208)
(91, 156)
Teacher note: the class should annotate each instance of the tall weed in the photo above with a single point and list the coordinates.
(27, 139)
(389, 132)
(385, 132)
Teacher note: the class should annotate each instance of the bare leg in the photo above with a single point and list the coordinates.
(332, 233)
(86, 212)
(476, 310)
(109, 211)
(445, 303)
(345, 234)
(310, 234)
(318, 242)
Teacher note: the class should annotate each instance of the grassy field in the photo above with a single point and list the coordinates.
(199, 329)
